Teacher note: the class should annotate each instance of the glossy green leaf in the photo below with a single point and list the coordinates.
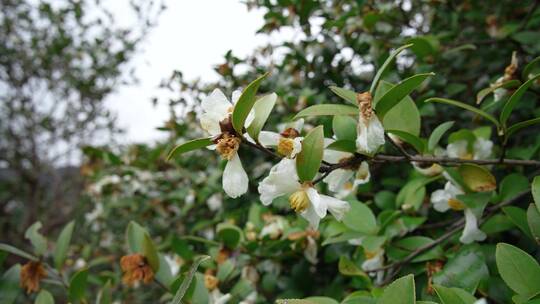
(533, 219)
(401, 291)
(62, 245)
(518, 216)
(520, 125)
(9, 285)
(505, 84)
(384, 66)
(535, 190)
(360, 218)
(77, 285)
(190, 146)
(416, 142)
(512, 185)
(245, 103)
(515, 98)
(308, 161)
(344, 127)
(465, 270)
(320, 300)
(528, 69)
(262, 109)
(224, 270)
(39, 242)
(518, 269)
(438, 133)
(466, 107)
(44, 297)
(347, 95)
(403, 117)
(150, 252)
(16, 251)
(348, 268)
(187, 280)
(398, 92)
(453, 295)
(230, 234)
(343, 146)
(477, 178)
(135, 235)
(327, 109)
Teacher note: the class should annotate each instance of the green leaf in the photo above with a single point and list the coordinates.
(477, 178)
(16, 251)
(519, 270)
(164, 274)
(262, 108)
(37, 239)
(416, 142)
(505, 84)
(9, 285)
(401, 291)
(515, 98)
(187, 280)
(245, 103)
(348, 268)
(453, 295)
(105, 295)
(518, 216)
(384, 66)
(527, 70)
(403, 117)
(533, 219)
(466, 107)
(327, 109)
(465, 270)
(135, 235)
(360, 218)
(230, 234)
(224, 270)
(535, 190)
(44, 297)
(77, 285)
(343, 146)
(520, 125)
(398, 93)
(438, 133)
(426, 45)
(190, 146)
(320, 300)
(348, 95)
(150, 252)
(512, 185)
(344, 127)
(62, 245)
(309, 159)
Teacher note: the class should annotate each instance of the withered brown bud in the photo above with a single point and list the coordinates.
(31, 274)
(290, 133)
(136, 268)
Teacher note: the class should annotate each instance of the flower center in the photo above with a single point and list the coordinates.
(370, 254)
(456, 204)
(364, 105)
(299, 201)
(227, 145)
(468, 155)
(285, 146)
(230, 109)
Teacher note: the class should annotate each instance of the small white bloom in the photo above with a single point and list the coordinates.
(483, 148)
(370, 129)
(471, 233)
(444, 199)
(303, 198)
(374, 260)
(274, 228)
(214, 202)
(481, 301)
(288, 143)
(216, 108)
(174, 263)
(458, 149)
(344, 181)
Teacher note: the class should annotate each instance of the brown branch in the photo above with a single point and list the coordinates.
(454, 161)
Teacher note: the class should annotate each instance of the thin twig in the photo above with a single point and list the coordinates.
(397, 146)
(455, 161)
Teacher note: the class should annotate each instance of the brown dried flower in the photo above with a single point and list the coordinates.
(31, 273)
(136, 268)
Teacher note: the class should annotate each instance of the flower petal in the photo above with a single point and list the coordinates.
(362, 174)
(471, 233)
(483, 148)
(333, 156)
(235, 180)
(337, 207)
(457, 149)
(236, 95)
(337, 179)
(370, 135)
(311, 216)
(315, 200)
(281, 180)
(297, 146)
(269, 139)
(439, 199)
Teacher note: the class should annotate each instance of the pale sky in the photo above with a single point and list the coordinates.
(192, 36)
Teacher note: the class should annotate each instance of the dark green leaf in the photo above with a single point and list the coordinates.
(535, 190)
(262, 108)
(519, 270)
(190, 146)
(384, 66)
(187, 280)
(309, 159)
(348, 95)
(16, 251)
(230, 234)
(518, 216)
(44, 297)
(150, 252)
(327, 109)
(515, 98)
(77, 285)
(401, 291)
(505, 84)
(403, 117)
(533, 219)
(466, 107)
(453, 295)
(520, 125)
(9, 285)
(62, 245)
(416, 142)
(245, 103)
(527, 70)
(344, 127)
(437, 134)
(343, 146)
(360, 218)
(398, 93)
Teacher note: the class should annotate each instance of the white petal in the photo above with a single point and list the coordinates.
(471, 233)
(311, 216)
(337, 179)
(439, 199)
(434, 169)
(362, 175)
(457, 149)
(311, 250)
(236, 95)
(269, 139)
(482, 148)
(249, 119)
(452, 189)
(298, 125)
(235, 180)
(297, 146)
(315, 200)
(210, 122)
(375, 262)
(216, 102)
(370, 135)
(333, 156)
(338, 208)
(281, 180)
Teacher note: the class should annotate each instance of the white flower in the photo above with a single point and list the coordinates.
(274, 228)
(344, 181)
(214, 202)
(471, 233)
(216, 297)
(482, 149)
(374, 260)
(174, 263)
(288, 143)
(216, 108)
(370, 129)
(443, 200)
(303, 198)
(481, 301)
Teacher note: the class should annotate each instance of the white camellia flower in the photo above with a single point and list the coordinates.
(446, 199)
(303, 198)
(288, 142)
(344, 181)
(370, 129)
(482, 149)
(216, 113)
(374, 260)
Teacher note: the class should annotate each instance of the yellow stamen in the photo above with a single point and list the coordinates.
(456, 204)
(299, 201)
(285, 146)
(370, 254)
(227, 146)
